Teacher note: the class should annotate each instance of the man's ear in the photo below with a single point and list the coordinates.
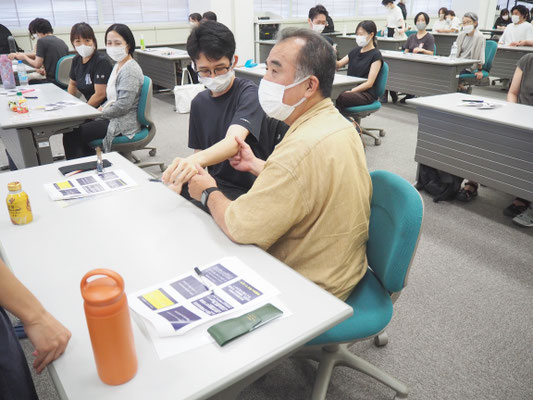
(312, 87)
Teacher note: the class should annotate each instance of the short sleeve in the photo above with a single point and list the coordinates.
(102, 72)
(194, 134)
(429, 43)
(271, 207)
(376, 56)
(524, 62)
(41, 48)
(248, 111)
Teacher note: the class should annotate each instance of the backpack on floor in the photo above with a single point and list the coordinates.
(439, 184)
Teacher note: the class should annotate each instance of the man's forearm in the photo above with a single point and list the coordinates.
(258, 166)
(218, 204)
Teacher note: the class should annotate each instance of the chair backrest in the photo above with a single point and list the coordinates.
(490, 52)
(63, 70)
(144, 110)
(435, 49)
(409, 33)
(396, 213)
(381, 81)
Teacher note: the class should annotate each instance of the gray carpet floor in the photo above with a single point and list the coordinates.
(462, 328)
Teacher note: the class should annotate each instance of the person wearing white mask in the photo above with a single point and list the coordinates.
(228, 109)
(194, 19)
(471, 44)
(318, 21)
(310, 204)
(119, 113)
(90, 70)
(364, 61)
(441, 25)
(520, 31)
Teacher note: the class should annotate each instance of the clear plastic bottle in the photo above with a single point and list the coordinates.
(23, 75)
(143, 46)
(6, 72)
(22, 103)
(453, 52)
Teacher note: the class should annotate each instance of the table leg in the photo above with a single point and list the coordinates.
(21, 146)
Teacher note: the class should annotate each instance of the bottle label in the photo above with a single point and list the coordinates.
(19, 208)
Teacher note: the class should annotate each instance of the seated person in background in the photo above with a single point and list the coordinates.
(228, 109)
(395, 20)
(453, 21)
(471, 44)
(90, 70)
(363, 61)
(330, 26)
(310, 204)
(209, 16)
(123, 93)
(520, 30)
(422, 42)
(441, 25)
(48, 50)
(194, 19)
(318, 21)
(4, 44)
(47, 335)
(503, 20)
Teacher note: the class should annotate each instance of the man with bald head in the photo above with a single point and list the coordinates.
(310, 204)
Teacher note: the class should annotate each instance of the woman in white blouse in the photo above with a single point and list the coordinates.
(441, 25)
(395, 19)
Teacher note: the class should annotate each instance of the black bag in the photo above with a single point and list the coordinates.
(439, 184)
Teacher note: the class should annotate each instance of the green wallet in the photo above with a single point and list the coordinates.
(225, 331)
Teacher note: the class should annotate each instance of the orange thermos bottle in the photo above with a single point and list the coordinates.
(108, 320)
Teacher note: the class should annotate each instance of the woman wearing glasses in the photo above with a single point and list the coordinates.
(123, 92)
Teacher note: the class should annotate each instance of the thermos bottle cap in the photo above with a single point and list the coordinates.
(103, 290)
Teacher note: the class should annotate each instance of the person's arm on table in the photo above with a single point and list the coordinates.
(183, 169)
(72, 88)
(514, 90)
(48, 336)
(342, 62)
(98, 96)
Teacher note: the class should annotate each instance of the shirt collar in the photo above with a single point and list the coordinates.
(312, 112)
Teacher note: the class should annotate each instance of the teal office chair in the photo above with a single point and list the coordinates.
(409, 33)
(359, 112)
(126, 146)
(62, 75)
(490, 52)
(395, 223)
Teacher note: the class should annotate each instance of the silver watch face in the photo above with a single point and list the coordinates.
(203, 199)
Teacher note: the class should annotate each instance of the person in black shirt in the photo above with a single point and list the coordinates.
(229, 109)
(503, 20)
(364, 61)
(90, 70)
(48, 50)
(4, 44)
(401, 4)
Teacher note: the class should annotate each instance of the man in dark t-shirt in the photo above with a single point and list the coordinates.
(49, 49)
(227, 110)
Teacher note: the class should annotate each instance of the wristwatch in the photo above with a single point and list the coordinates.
(206, 193)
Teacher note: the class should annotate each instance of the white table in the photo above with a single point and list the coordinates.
(148, 234)
(164, 65)
(506, 59)
(421, 74)
(444, 42)
(493, 147)
(27, 136)
(341, 82)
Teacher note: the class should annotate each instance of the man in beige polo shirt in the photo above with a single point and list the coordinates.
(310, 204)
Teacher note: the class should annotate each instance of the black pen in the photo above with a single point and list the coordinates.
(155, 180)
(202, 278)
(473, 101)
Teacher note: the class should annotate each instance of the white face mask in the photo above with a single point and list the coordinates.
(421, 26)
(271, 99)
(318, 28)
(505, 17)
(448, 19)
(85, 51)
(468, 28)
(441, 17)
(218, 83)
(361, 40)
(116, 53)
(515, 19)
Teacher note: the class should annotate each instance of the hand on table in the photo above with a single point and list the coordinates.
(41, 71)
(49, 338)
(514, 44)
(200, 182)
(416, 50)
(179, 172)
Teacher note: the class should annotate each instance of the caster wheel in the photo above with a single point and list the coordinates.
(377, 142)
(382, 133)
(152, 152)
(381, 340)
(162, 167)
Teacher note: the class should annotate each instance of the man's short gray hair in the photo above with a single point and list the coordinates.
(472, 16)
(316, 57)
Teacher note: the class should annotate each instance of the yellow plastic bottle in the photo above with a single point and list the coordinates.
(18, 204)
